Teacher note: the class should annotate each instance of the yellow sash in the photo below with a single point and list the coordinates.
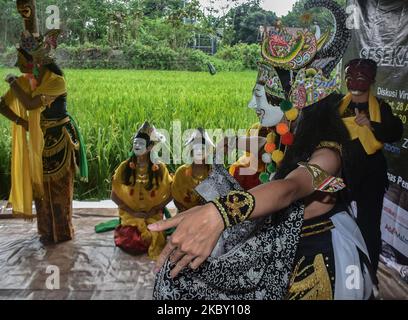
(21, 194)
(367, 138)
(26, 165)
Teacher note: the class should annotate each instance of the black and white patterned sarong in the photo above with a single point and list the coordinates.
(252, 261)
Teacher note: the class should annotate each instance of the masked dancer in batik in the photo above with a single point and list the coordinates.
(141, 188)
(189, 176)
(291, 238)
(43, 167)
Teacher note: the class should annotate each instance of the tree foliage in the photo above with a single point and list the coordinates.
(162, 29)
(321, 16)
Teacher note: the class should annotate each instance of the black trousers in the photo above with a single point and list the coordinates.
(370, 197)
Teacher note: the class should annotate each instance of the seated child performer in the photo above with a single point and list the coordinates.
(275, 116)
(141, 188)
(189, 176)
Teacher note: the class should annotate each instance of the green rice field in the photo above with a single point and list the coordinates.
(110, 105)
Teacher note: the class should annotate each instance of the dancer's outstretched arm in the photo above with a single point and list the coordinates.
(199, 229)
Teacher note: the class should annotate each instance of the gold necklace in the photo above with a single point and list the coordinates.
(142, 175)
(200, 177)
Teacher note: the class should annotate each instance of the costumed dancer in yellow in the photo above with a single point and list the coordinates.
(141, 188)
(189, 176)
(43, 166)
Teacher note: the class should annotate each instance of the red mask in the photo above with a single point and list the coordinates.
(360, 75)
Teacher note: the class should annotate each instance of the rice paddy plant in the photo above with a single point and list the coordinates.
(110, 105)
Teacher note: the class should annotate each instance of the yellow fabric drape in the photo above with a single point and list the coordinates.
(21, 194)
(150, 199)
(184, 185)
(26, 166)
(367, 138)
(157, 240)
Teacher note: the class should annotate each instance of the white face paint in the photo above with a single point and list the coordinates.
(269, 115)
(198, 153)
(139, 147)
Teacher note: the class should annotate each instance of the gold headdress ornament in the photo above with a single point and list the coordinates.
(151, 131)
(297, 71)
(298, 65)
(27, 10)
(41, 48)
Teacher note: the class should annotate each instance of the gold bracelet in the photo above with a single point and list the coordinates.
(321, 180)
(235, 208)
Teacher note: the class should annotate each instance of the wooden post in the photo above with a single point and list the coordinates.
(27, 10)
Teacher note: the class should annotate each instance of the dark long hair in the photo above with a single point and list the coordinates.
(155, 177)
(26, 55)
(317, 123)
(54, 68)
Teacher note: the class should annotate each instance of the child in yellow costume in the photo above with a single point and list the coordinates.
(189, 176)
(141, 189)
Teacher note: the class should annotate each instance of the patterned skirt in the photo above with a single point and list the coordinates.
(252, 261)
(54, 210)
(281, 257)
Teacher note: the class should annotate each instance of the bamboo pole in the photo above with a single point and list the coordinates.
(27, 10)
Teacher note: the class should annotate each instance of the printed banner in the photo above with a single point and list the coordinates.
(380, 32)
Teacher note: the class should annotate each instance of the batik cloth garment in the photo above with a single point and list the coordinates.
(279, 258)
(252, 261)
(132, 235)
(330, 245)
(60, 162)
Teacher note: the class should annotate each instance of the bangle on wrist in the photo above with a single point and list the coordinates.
(17, 121)
(235, 208)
